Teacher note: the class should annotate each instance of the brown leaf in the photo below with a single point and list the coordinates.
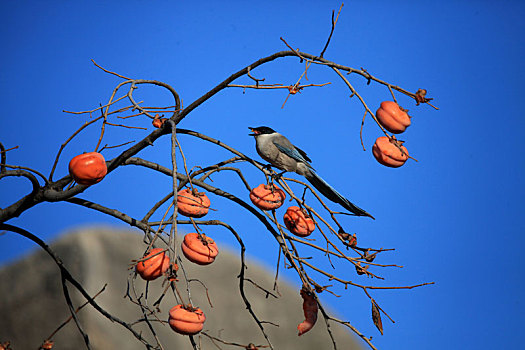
(47, 345)
(5, 346)
(376, 316)
(421, 97)
(310, 309)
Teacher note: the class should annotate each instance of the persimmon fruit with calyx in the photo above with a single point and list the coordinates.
(390, 152)
(393, 118)
(298, 222)
(267, 197)
(186, 320)
(88, 168)
(199, 249)
(154, 264)
(192, 203)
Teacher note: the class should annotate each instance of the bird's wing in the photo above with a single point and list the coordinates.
(293, 153)
(303, 153)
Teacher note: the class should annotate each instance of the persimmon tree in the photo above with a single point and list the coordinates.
(187, 199)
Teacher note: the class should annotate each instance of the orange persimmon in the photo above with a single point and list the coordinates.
(154, 264)
(298, 221)
(186, 320)
(158, 121)
(267, 197)
(199, 249)
(88, 168)
(192, 203)
(388, 152)
(394, 118)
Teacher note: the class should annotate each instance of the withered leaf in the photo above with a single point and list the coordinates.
(376, 316)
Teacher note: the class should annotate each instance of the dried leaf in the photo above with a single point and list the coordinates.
(47, 345)
(310, 309)
(5, 346)
(376, 316)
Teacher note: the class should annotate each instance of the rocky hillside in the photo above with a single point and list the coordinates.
(32, 301)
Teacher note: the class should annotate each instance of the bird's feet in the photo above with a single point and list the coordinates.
(267, 167)
(277, 177)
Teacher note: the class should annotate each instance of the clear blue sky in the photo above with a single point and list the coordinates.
(454, 217)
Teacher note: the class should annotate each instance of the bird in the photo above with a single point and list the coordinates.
(282, 154)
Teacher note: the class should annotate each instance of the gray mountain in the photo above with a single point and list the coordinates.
(32, 303)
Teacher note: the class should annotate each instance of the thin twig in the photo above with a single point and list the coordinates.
(110, 72)
(76, 311)
(334, 22)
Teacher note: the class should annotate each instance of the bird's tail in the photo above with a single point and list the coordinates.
(330, 193)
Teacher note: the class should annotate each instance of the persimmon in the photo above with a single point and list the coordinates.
(310, 309)
(158, 122)
(88, 168)
(293, 89)
(46, 345)
(388, 152)
(267, 197)
(186, 320)
(394, 118)
(192, 203)
(154, 264)
(199, 249)
(298, 221)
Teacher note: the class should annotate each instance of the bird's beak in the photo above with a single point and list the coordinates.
(255, 132)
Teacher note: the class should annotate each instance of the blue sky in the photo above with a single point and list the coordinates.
(454, 217)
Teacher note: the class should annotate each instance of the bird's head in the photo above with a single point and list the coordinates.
(261, 130)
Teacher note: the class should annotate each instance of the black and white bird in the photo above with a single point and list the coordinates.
(282, 154)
